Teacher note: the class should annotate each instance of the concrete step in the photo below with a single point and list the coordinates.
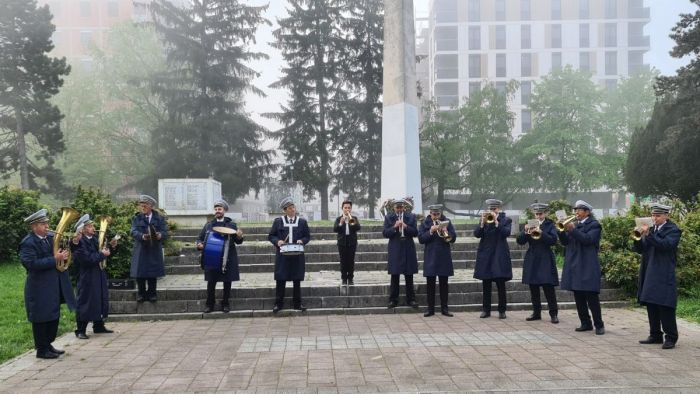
(367, 227)
(474, 307)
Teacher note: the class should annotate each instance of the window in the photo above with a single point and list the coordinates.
(474, 66)
(636, 37)
(446, 66)
(526, 121)
(556, 9)
(610, 63)
(556, 36)
(556, 61)
(525, 10)
(610, 9)
(500, 37)
(474, 37)
(584, 35)
(525, 92)
(525, 42)
(474, 11)
(86, 38)
(85, 9)
(113, 9)
(500, 10)
(526, 65)
(446, 11)
(447, 93)
(610, 35)
(583, 9)
(501, 65)
(635, 61)
(446, 38)
(474, 87)
(500, 87)
(610, 84)
(584, 61)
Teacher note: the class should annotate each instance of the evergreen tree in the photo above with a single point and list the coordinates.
(310, 41)
(207, 132)
(30, 131)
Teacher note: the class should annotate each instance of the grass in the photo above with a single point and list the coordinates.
(689, 305)
(15, 331)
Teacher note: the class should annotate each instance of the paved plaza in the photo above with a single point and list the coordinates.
(370, 353)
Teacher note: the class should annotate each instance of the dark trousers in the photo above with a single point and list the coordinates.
(44, 333)
(486, 294)
(586, 300)
(662, 316)
(143, 292)
(347, 261)
(431, 292)
(82, 325)
(394, 288)
(549, 294)
(211, 293)
(296, 293)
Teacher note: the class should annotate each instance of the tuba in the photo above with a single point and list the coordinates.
(105, 220)
(68, 216)
(561, 224)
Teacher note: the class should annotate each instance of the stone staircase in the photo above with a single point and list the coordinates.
(182, 293)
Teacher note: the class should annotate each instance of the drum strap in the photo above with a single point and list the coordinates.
(291, 226)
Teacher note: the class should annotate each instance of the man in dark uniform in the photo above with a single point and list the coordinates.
(93, 294)
(46, 288)
(493, 256)
(540, 266)
(217, 274)
(347, 226)
(657, 276)
(289, 267)
(149, 230)
(437, 257)
(400, 227)
(582, 272)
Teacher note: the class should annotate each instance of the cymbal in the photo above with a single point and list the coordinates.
(224, 230)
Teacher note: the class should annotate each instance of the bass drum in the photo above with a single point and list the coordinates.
(213, 251)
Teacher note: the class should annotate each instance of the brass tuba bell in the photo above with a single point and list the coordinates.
(68, 216)
(105, 220)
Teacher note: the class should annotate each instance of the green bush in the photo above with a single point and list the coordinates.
(688, 269)
(15, 205)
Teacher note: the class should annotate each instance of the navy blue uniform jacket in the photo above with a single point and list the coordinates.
(93, 294)
(289, 267)
(493, 255)
(540, 266)
(437, 257)
(657, 272)
(147, 258)
(46, 288)
(581, 264)
(350, 239)
(232, 272)
(402, 252)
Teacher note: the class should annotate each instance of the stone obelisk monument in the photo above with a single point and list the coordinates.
(400, 155)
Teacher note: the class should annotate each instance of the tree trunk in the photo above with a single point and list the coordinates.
(440, 193)
(22, 151)
(324, 201)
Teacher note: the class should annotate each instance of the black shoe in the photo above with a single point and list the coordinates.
(534, 316)
(276, 309)
(584, 327)
(651, 340)
(351, 282)
(501, 315)
(345, 281)
(208, 309)
(81, 335)
(413, 304)
(102, 330)
(225, 308)
(300, 307)
(446, 312)
(600, 331)
(668, 345)
(153, 298)
(140, 299)
(485, 314)
(48, 354)
(392, 305)
(57, 351)
(429, 312)
(554, 319)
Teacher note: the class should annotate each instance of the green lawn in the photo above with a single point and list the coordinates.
(15, 330)
(689, 306)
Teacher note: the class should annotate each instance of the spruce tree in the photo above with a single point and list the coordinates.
(207, 132)
(30, 130)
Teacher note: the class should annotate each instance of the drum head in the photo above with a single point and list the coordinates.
(224, 230)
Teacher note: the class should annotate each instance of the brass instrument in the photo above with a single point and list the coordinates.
(490, 217)
(561, 224)
(68, 216)
(349, 219)
(386, 207)
(638, 232)
(442, 230)
(536, 233)
(105, 220)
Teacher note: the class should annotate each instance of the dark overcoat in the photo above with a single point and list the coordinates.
(147, 258)
(657, 272)
(289, 267)
(437, 256)
(93, 293)
(350, 239)
(232, 271)
(539, 265)
(493, 254)
(402, 251)
(45, 288)
(581, 265)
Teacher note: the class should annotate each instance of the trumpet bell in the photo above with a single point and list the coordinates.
(561, 225)
(536, 234)
(490, 218)
(636, 234)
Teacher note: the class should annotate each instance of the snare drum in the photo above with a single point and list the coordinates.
(213, 251)
(292, 249)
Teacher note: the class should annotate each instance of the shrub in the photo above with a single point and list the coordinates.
(688, 269)
(15, 205)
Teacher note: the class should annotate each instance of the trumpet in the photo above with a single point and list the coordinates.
(349, 219)
(561, 224)
(442, 230)
(68, 215)
(490, 217)
(638, 231)
(536, 233)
